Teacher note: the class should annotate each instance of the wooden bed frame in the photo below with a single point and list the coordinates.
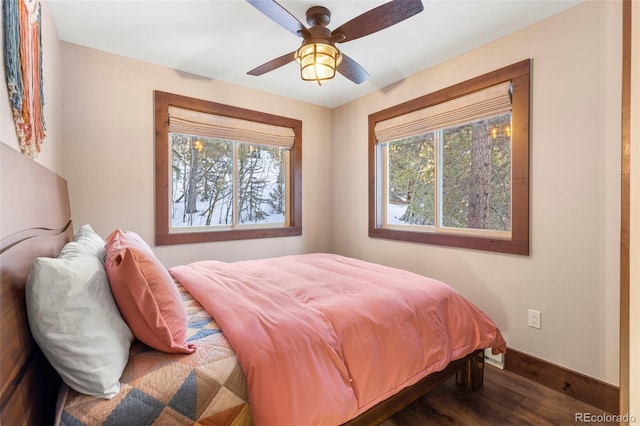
(35, 221)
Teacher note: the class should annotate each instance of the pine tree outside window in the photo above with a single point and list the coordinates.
(451, 168)
(224, 173)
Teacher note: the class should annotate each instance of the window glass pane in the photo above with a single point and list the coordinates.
(476, 175)
(202, 184)
(411, 181)
(261, 190)
(474, 189)
(224, 173)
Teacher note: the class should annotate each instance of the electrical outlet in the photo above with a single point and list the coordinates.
(533, 319)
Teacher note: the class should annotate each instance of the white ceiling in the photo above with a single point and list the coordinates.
(223, 39)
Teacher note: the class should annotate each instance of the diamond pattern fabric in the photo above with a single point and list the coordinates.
(206, 387)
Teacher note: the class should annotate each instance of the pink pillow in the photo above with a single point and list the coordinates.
(145, 293)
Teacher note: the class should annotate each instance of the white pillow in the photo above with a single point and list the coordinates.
(74, 319)
(91, 241)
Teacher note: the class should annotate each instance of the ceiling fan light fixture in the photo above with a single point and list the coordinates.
(318, 61)
(318, 57)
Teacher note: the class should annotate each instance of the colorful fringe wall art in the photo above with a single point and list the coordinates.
(23, 71)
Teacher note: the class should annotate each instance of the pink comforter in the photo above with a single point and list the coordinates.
(321, 338)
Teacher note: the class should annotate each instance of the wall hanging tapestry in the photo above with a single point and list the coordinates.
(23, 70)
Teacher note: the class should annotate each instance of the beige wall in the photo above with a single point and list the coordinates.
(51, 155)
(108, 151)
(572, 274)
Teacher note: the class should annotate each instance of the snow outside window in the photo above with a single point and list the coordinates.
(224, 173)
(452, 167)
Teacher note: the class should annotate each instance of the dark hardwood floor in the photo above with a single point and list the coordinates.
(505, 399)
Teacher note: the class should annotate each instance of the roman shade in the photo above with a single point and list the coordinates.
(217, 126)
(493, 100)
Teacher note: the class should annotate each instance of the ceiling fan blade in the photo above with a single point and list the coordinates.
(281, 16)
(272, 64)
(377, 19)
(352, 70)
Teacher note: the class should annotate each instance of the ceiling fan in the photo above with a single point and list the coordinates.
(318, 56)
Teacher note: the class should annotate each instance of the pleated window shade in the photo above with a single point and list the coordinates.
(216, 126)
(494, 100)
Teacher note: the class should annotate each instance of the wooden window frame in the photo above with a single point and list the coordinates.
(519, 74)
(162, 101)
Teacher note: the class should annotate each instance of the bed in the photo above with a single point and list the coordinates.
(202, 375)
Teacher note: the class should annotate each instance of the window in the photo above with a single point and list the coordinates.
(452, 167)
(224, 173)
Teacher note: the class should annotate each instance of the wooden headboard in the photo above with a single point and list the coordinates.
(35, 221)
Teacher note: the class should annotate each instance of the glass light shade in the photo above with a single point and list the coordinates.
(318, 61)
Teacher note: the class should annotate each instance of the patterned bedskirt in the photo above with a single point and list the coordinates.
(157, 388)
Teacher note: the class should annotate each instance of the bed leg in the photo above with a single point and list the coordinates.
(472, 374)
